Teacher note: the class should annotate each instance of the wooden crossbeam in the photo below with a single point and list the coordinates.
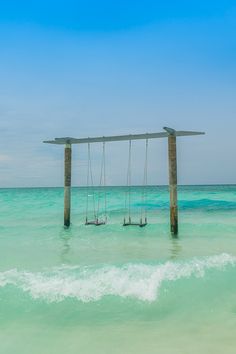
(101, 139)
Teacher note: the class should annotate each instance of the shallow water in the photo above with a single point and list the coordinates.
(115, 289)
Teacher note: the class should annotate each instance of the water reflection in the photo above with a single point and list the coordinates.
(65, 236)
(175, 248)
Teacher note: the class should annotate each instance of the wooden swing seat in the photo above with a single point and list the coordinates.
(95, 222)
(130, 223)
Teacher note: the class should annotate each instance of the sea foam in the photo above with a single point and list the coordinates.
(140, 281)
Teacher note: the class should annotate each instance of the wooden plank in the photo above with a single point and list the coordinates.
(69, 140)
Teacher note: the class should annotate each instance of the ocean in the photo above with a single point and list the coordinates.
(112, 289)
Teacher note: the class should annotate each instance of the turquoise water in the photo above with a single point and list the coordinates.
(115, 289)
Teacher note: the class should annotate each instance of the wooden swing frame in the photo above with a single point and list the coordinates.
(170, 134)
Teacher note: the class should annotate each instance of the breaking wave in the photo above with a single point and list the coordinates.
(140, 281)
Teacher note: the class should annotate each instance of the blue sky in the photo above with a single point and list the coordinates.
(73, 68)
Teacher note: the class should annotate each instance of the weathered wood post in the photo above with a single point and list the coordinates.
(173, 181)
(67, 185)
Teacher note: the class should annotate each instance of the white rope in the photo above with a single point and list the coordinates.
(87, 189)
(128, 186)
(144, 191)
(102, 184)
(90, 183)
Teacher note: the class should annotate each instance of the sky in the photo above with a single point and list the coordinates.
(91, 68)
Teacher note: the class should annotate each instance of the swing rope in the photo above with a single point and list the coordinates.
(128, 186)
(90, 180)
(144, 191)
(143, 211)
(102, 184)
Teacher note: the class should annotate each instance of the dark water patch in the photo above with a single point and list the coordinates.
(199, 204)
(207, 204)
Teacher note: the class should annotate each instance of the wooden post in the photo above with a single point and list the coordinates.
(173, 184)
(67, 185)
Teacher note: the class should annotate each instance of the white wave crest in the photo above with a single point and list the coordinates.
(86, 284)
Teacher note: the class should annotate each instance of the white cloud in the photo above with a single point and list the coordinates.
(4, 158)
